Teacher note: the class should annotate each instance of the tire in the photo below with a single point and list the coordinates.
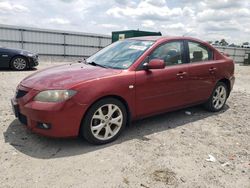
(218, 98)
(19, 63)
(104, 121)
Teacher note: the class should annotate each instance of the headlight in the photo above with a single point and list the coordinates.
(30, 55)
(54, 95)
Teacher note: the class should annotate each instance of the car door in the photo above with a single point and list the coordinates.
(159, 90)
(4, 58)
(202, 71)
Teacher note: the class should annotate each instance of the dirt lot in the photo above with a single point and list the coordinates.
(168, 150)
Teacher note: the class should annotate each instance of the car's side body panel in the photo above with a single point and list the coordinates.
(5, 57)
(160, 90)
(201, 80)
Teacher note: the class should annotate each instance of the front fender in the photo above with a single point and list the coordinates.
(122, 86)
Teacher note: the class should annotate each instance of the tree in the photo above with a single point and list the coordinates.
(223, 42)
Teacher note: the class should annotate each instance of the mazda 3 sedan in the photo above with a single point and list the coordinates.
(128, 80)
(17, 59)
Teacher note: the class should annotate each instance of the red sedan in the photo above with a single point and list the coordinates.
(127, 80)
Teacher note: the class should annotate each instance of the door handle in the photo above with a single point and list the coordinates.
(181, 74)
(212, 69)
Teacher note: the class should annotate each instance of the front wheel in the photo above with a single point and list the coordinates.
(104, 121)
(19, 63)
(218, 98)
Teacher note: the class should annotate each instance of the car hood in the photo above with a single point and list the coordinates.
(19, 51)
(66, 76)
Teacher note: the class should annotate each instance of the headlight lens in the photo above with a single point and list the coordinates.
(54, 95)
(30, 55)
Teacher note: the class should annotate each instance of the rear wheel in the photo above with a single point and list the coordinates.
(104, 121)
(19, 63)
(218, 98)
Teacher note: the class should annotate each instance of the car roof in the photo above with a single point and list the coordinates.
(165, 38)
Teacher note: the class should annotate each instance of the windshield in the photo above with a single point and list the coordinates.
(121, 54)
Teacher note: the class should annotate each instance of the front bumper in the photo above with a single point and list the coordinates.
(33, 61)
(64, 118)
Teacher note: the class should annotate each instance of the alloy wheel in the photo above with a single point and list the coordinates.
(19, 63)
(219, 97)
(106, 122)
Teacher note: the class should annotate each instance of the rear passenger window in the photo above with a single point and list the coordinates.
(199, 52)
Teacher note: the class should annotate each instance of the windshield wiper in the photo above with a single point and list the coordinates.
(95, 64)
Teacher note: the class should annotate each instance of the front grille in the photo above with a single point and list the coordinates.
(20, 93)
(35, 57)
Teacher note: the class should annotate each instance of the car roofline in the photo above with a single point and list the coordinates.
(164, 38)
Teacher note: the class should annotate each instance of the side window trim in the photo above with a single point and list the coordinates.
(211, 54)
(183, 50)
(183, 58)
(186, 51)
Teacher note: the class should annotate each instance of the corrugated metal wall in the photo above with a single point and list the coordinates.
(52, 42)
(72, 44)
(237, 54)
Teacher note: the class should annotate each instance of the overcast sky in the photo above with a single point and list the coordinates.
(205, 19)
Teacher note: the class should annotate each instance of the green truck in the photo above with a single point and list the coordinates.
(120, 35)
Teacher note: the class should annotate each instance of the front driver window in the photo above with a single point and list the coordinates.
(170, 52)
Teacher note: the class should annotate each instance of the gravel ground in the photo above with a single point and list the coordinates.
(169, 150)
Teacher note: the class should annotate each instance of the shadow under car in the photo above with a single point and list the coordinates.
(41, 147)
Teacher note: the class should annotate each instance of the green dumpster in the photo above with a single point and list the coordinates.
(120, 35)
(247, 61)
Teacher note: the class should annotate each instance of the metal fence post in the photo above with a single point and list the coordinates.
(99, 43)
(21, 33)
(234, 53)
(64, 44)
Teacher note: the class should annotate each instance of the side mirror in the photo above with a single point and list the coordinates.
(155, 64)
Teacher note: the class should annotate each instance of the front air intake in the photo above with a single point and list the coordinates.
(20, 93)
